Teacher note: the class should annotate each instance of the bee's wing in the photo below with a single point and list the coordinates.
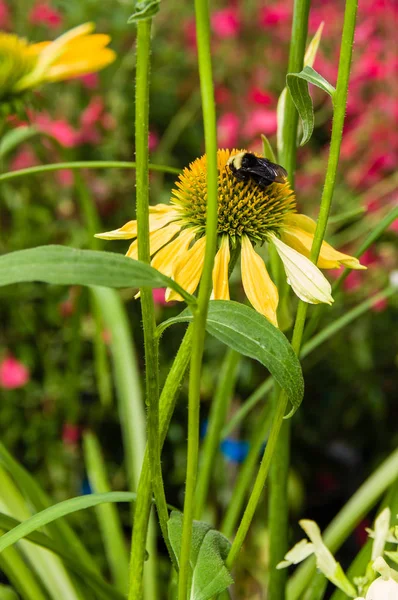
(269, 170)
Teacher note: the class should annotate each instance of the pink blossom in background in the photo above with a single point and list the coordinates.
(259, 96)
(24, 158)
(190, 34)
(159, 296)
(228, 130)
(93, 112)
(353, 282)
(4, 15)
(260, 120)
(90, 81)
(70, 434)
(225, 23)
(13, 374)
(275, 14)
(153, 140)
(222, 94)
(65, 178)
(60, 129)
(44, 14)
(380, 305)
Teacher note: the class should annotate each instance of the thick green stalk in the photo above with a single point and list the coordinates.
(278, 506)
(83, 164)
(199, 324)
(148, 314)
(218, 413)
(337, 130)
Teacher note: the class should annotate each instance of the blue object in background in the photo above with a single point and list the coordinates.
(235, 450)
(86, 487)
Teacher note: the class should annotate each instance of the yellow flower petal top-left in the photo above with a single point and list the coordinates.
(25, 66)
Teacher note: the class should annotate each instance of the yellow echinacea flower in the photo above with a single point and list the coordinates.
(25, 66)
(247, 215)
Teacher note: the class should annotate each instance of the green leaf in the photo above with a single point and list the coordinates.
(298, 87)
(249, 333)
(13, 138)
(103, 589)
(144, 10)
(267, 149)
(209, 551)
(67, 266)
(60, 510)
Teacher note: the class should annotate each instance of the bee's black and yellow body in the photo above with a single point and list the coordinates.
(262, 171)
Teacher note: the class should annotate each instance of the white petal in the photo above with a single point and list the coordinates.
(306, 279)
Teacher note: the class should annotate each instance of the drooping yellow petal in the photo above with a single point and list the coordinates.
(220, 271)
(188, 269)
(164, 260)
(127, 232)
(96, 60)
(259, 288)
(300, 221)
(307, 281)
(329, 258)
(157, 239)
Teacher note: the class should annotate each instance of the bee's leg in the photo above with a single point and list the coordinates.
(241, 176)
(263, 182)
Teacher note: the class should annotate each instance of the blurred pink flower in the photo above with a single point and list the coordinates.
(24, 158)
(4, 15)
(70, 434)
(90, 81)
(274, 15)
(353, 282)
(153, 141)
(93, 112)
(221, 94)
(65, 178)
(380, 305)
(159, 296)
(259, 96)
(225, 23)
(44, 14)
(260, 120)
(13, 374)
(228, 130)
(190, 34)
(59, 129)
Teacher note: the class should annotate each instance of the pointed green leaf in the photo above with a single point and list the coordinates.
(144, 10)
(298, 88)
(209, 551)
(67, 266)
(249, 333)
(60, 510)
(268, 151)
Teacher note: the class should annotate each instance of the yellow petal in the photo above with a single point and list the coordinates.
(300, 221)
(188, 269)
(157, 239)
(259, 288)
(220, 271)
(329, 258)
(95, 62)
(164, 260)
(307, 281)
(127, 232)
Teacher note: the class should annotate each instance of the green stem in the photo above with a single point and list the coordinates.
(218, 413)
(148, 308)
(246, 474)
(144, 491)
(347, 519)
(278, 507)
(199, 324)
(337, 130)
(83, 164)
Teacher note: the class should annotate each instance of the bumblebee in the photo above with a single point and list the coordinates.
(262, 171)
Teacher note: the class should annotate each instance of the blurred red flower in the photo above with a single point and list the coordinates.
(228, 130)
(225, 23)
(4, 15)
(44, 14)
(13, 374)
